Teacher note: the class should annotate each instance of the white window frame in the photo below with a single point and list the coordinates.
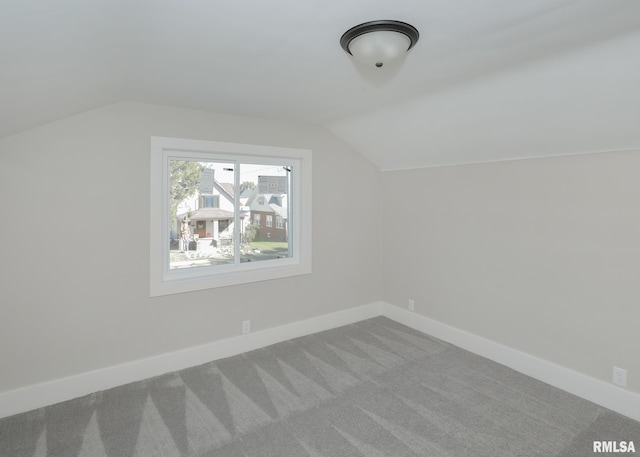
(269, 220)
(165, 281)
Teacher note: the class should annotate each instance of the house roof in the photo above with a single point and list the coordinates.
(246, 193)
(280, 211)
(488, 80)
(208, 213)
(226, 187)
(269, 203)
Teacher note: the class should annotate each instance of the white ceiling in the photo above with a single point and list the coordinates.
(488, 80)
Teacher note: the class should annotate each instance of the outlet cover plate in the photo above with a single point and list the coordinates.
(620, 376)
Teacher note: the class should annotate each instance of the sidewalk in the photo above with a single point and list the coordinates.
(178, 259)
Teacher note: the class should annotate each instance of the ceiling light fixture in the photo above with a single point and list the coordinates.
(378, 43)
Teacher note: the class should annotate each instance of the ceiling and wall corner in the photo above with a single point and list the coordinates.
(571, 104)
(489, 80)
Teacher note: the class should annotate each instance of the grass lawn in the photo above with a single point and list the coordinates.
(267, 250)
(268, 247)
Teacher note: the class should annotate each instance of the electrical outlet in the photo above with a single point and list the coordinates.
(412, 305)
(620, 376)
(246, 326)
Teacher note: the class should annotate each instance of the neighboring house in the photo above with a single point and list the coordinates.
(270, 213)
(210, 216)
(245, 194)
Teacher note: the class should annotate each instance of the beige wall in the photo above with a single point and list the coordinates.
(540, 255)
(75, 255)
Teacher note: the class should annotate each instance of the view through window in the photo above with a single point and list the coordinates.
(216, 209)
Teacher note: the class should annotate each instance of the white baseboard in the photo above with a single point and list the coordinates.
(47, 393)
(594, 390)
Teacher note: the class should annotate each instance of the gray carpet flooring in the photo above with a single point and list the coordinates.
(375, 388)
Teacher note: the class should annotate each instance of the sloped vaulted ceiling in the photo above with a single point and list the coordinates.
(489, 79)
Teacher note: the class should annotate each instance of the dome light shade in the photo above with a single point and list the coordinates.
(378, 43)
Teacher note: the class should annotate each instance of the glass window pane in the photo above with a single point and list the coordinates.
(201, 213)
(264, 197)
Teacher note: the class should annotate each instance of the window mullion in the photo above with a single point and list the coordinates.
(290, 211)
(236, 213)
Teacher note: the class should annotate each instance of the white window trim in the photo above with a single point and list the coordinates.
(165, 281)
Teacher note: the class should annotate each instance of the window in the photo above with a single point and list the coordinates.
(279, 222)
(209, 201)
(223, 225)
(199, 240)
